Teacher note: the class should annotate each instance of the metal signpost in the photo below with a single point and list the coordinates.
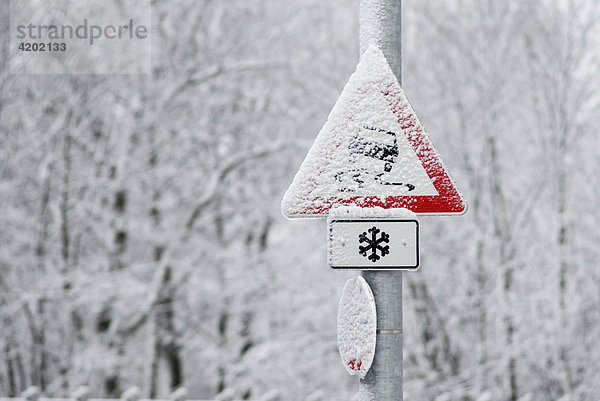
(380, 24)
(371, 170)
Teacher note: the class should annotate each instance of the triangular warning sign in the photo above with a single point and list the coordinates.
(372, 151)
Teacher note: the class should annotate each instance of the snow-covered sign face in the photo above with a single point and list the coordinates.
(373, 244)
(372, 152)
(357, 327)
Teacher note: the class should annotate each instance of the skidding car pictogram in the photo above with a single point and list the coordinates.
(377, 144)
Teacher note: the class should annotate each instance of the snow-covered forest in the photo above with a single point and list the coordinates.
(141, 238)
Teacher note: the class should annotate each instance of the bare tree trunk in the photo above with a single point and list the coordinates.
(563, 267)
(10, 369)
(224, 315)
(120, 238)
(223, 324)
(166, 345)
(40, 347)
(38, 356)
(74, 322)
(482, 315)
(506, 255)
(438, 347)
(42, 236)
(263, 239)
(38, 337)
(155, 362)
(156, 217)
(120, 198)
(65, 235)
(166, 340)
(16, 378)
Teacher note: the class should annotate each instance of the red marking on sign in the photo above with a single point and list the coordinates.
(313, 194)
(355, 365)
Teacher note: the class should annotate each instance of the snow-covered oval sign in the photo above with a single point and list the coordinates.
(357, 327)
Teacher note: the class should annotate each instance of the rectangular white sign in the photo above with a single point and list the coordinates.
(382, 244)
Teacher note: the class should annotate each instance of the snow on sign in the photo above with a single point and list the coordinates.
(357, 327)
(374, 244)
(372, 152)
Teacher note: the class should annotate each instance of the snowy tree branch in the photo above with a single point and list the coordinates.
(230, 166)
(212, 72)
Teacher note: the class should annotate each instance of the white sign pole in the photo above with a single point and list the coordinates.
(380, 25)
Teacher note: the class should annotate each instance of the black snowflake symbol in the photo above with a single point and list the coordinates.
(374, 244)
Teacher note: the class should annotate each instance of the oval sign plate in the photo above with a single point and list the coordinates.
(357, 327)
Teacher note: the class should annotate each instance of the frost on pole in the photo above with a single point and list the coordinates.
(357, 327)
(372, 152)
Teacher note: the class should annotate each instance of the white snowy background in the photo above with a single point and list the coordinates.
(142, 243)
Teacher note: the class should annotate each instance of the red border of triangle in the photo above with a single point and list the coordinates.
(448, 200)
